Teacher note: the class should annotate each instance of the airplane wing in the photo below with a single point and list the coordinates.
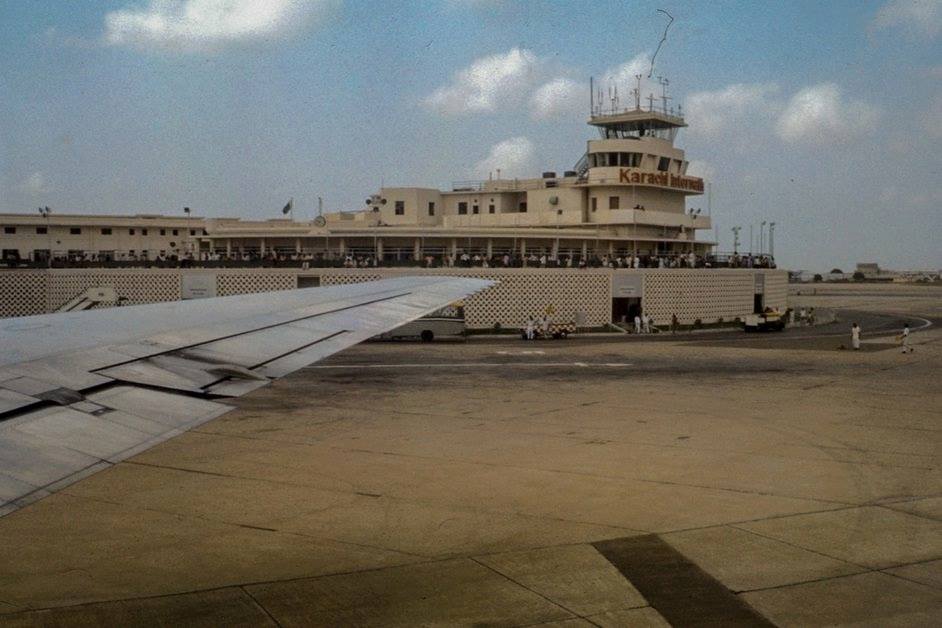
(81, 391)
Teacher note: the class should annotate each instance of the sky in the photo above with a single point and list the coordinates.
(824, 117)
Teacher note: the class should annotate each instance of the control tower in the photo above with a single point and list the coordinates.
(636, 159)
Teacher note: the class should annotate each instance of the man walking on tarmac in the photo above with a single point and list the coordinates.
(855, 336)
(904, 339)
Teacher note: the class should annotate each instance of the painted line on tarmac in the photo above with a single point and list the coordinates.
(468, 365)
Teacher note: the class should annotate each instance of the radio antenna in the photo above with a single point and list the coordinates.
(663, 39)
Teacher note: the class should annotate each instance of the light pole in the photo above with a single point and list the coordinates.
(186, 230)
(751, 240)
(44, 212)
(736, 231)
(771, 240)
(762, 237)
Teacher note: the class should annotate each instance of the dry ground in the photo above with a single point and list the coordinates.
(399, 484)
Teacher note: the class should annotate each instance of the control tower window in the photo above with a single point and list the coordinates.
(400, 208)
(613, 202)
(663, 164)
(462, 208)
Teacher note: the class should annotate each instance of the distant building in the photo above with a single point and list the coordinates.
(873, 272)
(625, 196)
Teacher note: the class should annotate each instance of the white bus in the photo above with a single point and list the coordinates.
(447, 322)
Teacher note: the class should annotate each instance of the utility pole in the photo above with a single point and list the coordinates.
(762, 237)
(44, 212)
(771, 241)
(751, 239)
(186, 231)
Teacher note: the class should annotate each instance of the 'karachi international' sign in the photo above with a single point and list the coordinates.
(663, 179)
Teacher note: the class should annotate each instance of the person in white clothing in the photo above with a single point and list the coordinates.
(637, 324)
(529, 328)
(904, 339)
(646, 322)
(855, 336)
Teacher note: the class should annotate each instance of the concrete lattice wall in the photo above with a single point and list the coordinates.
(690, 294)
(519, 293)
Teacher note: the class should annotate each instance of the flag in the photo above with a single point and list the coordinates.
(287, 208)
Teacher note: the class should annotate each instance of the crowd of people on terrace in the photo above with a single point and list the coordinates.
(463, 259)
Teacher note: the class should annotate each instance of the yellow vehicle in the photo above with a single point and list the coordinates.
(769, 320)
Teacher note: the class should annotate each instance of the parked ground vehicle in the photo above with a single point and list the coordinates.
(556, 331)
(769, 320)
(443, 323)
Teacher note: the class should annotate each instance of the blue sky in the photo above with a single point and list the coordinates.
(825, 117)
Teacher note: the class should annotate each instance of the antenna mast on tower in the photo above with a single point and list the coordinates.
(664, 97)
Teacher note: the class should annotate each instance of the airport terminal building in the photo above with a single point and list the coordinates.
(598, 243)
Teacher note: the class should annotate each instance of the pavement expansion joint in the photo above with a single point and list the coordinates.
(260, 606)
(801, 547)
(523, 586)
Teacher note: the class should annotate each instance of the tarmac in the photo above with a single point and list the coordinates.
(715, 479)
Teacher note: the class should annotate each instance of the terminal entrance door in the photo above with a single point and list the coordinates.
(758, 304)
(624, 309)
(758, 299)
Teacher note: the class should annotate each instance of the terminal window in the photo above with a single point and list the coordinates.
(106, 231)
(143, 231)
(176, 232)
(462, 208)
(613, 202)
(9, 230)
(663, 164)
(474, 209)
(75, 231)
(163, 232)
(400, 208)
(431, 208)
(523, 207)
(41, 230)
(595, 203)
(130, 231)
(491, 209)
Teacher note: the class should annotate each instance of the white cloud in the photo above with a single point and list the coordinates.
(187, 25)
(820, 113)
(626, 73)
(624, 77)
(486, 84)
(34, 185)
(919, 17)
(514, 158)
(932, 119)
(557, 97)
(712, 113)
(702, 169)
